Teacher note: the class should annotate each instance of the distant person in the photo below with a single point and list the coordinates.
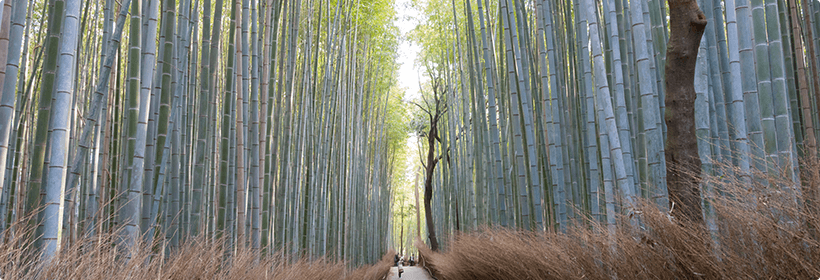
(400, 269)
(396, 260)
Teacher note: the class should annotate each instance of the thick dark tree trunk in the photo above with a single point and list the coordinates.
(401, 237)
(686, 25)
(434, 114)
(428, 183)
(418, 217)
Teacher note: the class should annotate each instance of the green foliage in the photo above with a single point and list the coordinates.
(434, 31)
(396, 124)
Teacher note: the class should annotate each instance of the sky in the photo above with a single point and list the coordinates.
(408, 73)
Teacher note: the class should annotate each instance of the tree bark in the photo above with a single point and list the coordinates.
(401, 236)
(428, 182)
(418, 216)
(687, 24)
(434, 112)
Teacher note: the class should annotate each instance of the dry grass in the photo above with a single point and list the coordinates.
(761, 236)
(379, 270)
(98, 258)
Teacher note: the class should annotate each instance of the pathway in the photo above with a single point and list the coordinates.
(410, 273)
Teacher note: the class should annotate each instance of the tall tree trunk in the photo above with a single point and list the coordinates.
(130, 211)
(687, 24)
(418, 218)
(38, 158)
(7, 97)
(62, 128)
(401, 233)
(7, 103)
(149, 55)
(240, 137)
(432, 137)
(428, 185)
(222, 221)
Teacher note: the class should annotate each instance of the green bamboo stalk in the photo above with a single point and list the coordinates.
(240, 141)
(749, 86)
(737, 110)
(781, 93)
(651, 116)
(135, 127)
(51, 48)
(59, 137)
(604, 100)
(513, 88)
(255, 179)
(147, 68)
(7, 98)
(222, 223)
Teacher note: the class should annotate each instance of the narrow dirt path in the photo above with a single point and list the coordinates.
(410, 273)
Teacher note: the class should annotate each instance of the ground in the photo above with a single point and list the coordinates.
(410, 273)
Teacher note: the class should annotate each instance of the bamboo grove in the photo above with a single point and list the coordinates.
(555, 110)
(268, 125)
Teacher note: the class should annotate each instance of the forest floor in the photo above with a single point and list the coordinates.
(410, 273)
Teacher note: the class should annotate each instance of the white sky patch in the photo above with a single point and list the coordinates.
(408, 52)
